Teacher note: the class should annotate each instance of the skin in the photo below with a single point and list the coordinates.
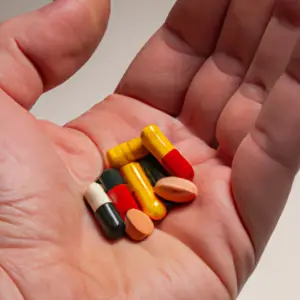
(218, 68)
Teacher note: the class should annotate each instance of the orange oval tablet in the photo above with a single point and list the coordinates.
(138, 225)
(176, 189)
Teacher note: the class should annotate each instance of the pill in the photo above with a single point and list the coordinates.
(163, 150)
(127, 152)
(176, 189)
(138, 225)
(118, 191)
(105, 212)
(142, 190)
(153, 169)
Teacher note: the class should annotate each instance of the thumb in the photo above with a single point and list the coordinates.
(41, 49)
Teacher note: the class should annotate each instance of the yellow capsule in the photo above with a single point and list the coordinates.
(163, 150)
(143, 191)
(156, 142)
(126, 153)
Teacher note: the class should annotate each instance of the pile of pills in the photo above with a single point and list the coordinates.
(147, 177)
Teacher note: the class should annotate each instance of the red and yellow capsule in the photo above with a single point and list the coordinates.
(143, 191)
(163, 150)
(126, 153)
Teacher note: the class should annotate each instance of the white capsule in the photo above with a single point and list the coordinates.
(96, 196)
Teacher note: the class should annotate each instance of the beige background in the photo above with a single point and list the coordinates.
(277, 276)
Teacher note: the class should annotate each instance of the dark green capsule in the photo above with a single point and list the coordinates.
(153, 169)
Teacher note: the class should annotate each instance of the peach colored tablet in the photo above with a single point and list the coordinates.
(138, 225)
(176, 189)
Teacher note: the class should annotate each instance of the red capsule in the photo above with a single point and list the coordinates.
(176, 164)
(118, 191)
(165, 152)
(122, 199)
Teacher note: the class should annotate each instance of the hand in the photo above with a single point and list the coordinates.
(213, 70)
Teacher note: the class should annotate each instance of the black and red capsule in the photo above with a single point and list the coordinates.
(105, 212)
(118, 191)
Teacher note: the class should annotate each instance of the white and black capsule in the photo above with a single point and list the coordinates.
(105, 212)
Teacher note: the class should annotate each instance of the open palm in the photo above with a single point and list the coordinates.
(216, 70)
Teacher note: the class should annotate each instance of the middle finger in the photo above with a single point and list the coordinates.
(163, 70)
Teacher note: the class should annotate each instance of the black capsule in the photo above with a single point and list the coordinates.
(153, 169)
(111, 178)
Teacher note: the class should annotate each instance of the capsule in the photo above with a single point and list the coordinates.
(155, 172)
(143, 191)
(118, 191)
(126, 153)
(163, 150)
(105, 212)
(153, 169)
